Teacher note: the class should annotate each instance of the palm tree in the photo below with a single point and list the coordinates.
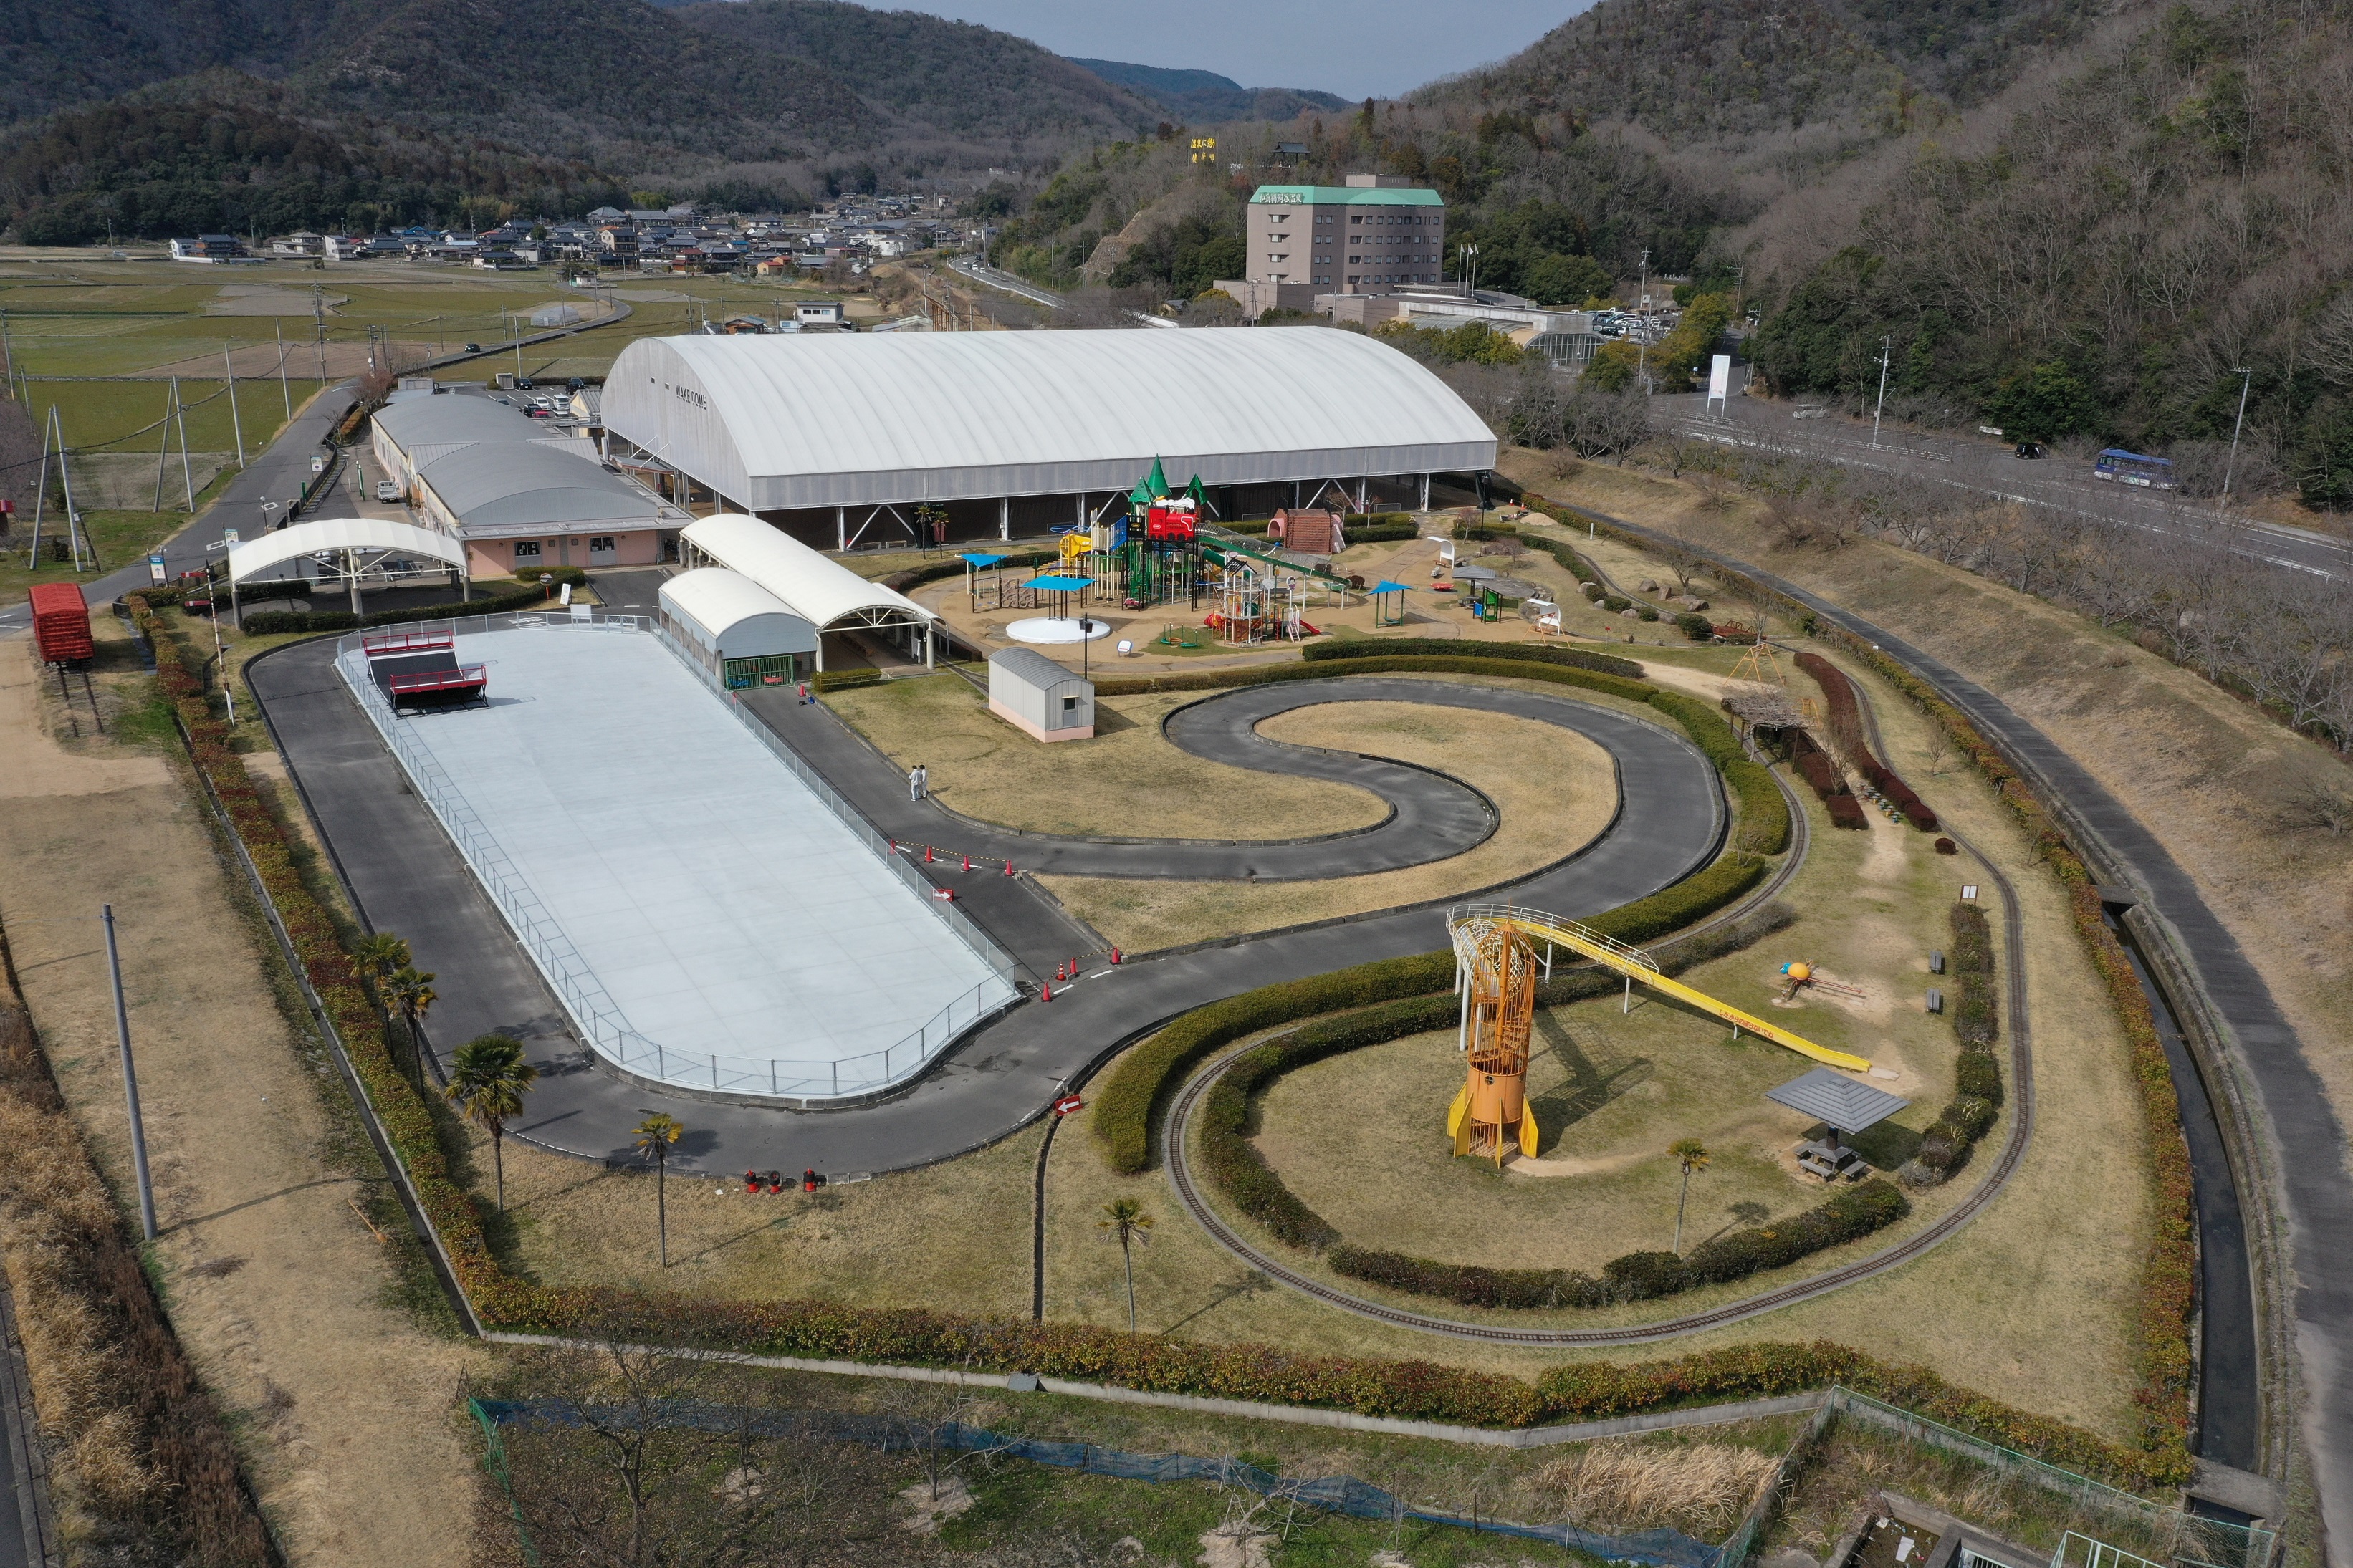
(1129, 1226)
(411, 994)
(655, 1136)
(1692, 1155)
(488, 1078)
(381, 956)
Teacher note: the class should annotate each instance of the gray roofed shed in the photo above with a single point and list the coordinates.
(1028, 689)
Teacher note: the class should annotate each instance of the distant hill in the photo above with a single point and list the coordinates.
(412, 106)
(1206, 98)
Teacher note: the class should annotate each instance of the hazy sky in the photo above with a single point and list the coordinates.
(1353, 47)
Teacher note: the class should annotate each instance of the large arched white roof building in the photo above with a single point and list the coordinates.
(807, 427)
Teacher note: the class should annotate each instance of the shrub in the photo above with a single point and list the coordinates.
(1613, 604)
(1734, 632)
(1946, 847)
(1918, 815)
(1451, 647)
(1695, 626)
(1671, 909)
(1847, 1215)
(844, 680)
(275, 622)
(1593, 592)
(1977, 1074)
(1822, 774)
(1646, 612)
(1847, 812)
(1764, 811)
(1378, 662)
(1125, 1107)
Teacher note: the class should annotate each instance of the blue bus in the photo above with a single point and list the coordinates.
(2119, 467)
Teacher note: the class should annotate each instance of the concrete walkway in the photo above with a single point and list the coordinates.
(405, 877)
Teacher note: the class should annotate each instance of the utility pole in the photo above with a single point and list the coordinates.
(1885, 349)
(2246, 378)
(129, 1081)
(1642, 329)
(518, 344)
(319, 319)
(279, 331)
(235, 423)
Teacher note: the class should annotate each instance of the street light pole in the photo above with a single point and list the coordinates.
(2246, 378)
(1885, 349)
(129, 1081)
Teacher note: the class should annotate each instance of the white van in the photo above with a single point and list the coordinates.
(388, 490)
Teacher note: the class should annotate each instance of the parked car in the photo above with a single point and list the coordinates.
(473, 348)
(388, 490)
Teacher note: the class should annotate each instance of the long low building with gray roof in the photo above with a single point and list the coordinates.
(522, 498)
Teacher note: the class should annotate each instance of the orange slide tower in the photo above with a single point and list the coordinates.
(1496, 971)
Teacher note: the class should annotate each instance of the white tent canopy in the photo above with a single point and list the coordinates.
(380, 539)
(731, 617)
(776, 423)
(822, 592)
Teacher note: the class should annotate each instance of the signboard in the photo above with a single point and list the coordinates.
(1719, 377)
(1205, 149)
(154, 568)
(230, 539)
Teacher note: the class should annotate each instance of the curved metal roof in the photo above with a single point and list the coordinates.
(454, 417)
(851, 419)
(303, 539)
(718, 601)
(506, 486)
(820, 591)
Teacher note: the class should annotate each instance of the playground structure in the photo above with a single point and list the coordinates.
(1637, 966)
(1803, 975)
(1256, 604)
(1495, 971)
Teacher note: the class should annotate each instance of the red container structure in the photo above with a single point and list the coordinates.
(61, 623)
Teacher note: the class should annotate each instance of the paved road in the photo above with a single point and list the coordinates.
(972, 267)
(405, 877)
(2290, 1096)
(1987, 465)
(277, 473)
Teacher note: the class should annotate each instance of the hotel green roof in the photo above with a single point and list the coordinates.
(1345, 196)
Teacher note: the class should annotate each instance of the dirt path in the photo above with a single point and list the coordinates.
(340, 1401)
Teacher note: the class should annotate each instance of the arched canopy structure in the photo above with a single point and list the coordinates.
(735, 629)
(822, 592)
(380, 539)
(796, 421)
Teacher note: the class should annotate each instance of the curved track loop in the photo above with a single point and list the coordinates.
(1177, 1129)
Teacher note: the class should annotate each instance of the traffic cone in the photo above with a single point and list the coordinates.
(927, 854)
(1008, 867)
(894, 847)
(968, 862)
(1114, 956)
(1045, 992)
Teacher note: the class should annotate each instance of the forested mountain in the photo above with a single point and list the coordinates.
(272, 112)
(1640, 125)
(2109, 262)
(1206, 98)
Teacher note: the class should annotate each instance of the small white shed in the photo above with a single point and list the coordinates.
(1028, 689)
(740, 634)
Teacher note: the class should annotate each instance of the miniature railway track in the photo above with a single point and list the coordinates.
(1177, 1129)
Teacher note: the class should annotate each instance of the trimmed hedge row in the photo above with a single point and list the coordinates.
(1126, 1107)
(1846, 718)
(1378, 664)
(844, 680)
(275, 622)
(1847, 1215)
(1442, 647)
(1948, 1143)
(1594, 1391)
(2161, 1326)
(1847, 812)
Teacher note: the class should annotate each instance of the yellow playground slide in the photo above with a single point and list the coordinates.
(1637, 966)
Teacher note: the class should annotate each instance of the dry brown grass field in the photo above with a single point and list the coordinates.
(1128, 781)
(283, 1295)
